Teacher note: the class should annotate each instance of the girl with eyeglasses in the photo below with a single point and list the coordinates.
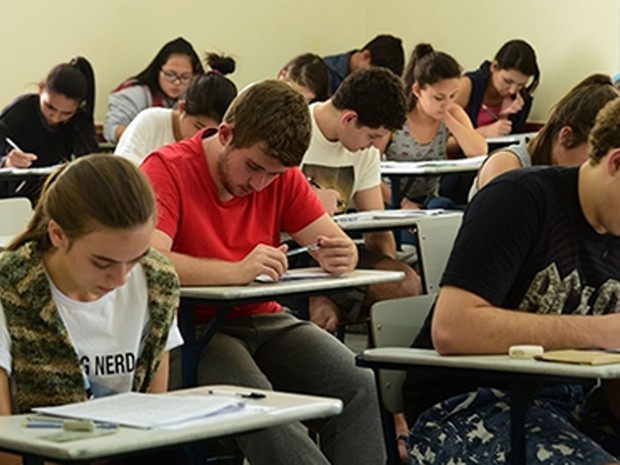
(203, 106)
(498, 95)
(160, 84)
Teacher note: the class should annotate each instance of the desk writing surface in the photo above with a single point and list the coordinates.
(510, 139)
(500, 363)
(285, 408)
(10, 173)
(431, 167)
(372, 220)
(257, 290)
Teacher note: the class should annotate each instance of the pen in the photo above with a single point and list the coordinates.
(490, 112)
(243, 395)
(16, 147)
(313, 183)
(307, 248)
(12, 144)
(341, 204)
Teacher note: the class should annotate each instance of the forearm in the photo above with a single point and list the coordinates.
(465, 326)
(468, 139)
(470, 142)
(195, 271)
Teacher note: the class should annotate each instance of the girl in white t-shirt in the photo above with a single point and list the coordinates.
(86, 308)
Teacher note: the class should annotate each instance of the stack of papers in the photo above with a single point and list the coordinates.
(147, 411)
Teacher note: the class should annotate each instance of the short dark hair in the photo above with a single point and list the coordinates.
(275, 115)
(387, 51)
(376, 95)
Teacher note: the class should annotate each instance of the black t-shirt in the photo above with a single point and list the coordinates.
(525, 244)
(23, 122)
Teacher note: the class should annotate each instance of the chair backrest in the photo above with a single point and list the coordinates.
(395, 323)
(15, 212)
(436, 236)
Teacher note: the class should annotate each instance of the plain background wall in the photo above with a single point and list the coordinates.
(119, 37)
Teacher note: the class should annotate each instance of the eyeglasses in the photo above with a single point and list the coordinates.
(171, 76)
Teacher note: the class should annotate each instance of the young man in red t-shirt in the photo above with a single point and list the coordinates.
(224, 196)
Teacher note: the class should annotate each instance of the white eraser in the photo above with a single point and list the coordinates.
(525, 351)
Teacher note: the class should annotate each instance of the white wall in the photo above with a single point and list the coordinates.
(572, 38)
(119, 37)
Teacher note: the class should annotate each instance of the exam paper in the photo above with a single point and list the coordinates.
(141, 410)
(297, 273)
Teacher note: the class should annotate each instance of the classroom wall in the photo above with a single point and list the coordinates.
(572, 37)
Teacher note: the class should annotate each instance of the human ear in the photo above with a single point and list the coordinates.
(613, 162)
(56, 234)
(348, 117)
(225, 133)
(415, 88)
(567, 137)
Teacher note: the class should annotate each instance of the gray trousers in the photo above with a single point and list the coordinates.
(281, 352)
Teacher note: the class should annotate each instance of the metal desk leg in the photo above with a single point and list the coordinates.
(522, 394)
(192, 348)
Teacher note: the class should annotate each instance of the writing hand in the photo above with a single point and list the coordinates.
(330, 198)
(264, 259)
(336, 255)
(19, 159)
(501, 127)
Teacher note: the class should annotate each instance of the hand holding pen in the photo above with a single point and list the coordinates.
(336, 255)
(330, 198)
(17, 158)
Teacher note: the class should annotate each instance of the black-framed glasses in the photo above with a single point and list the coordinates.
(172, 77)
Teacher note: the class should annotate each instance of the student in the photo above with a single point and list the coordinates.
(80, 286)
(308, 74)
(536, 262)
(202, 106)
(384, 50)
(497, 96)
(431, 82)
(51, 126)
(563, 140)
(224, 196)
(160, 84)
(342, 164)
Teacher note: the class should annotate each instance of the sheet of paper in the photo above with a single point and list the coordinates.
(141, 410)
(297, 273)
